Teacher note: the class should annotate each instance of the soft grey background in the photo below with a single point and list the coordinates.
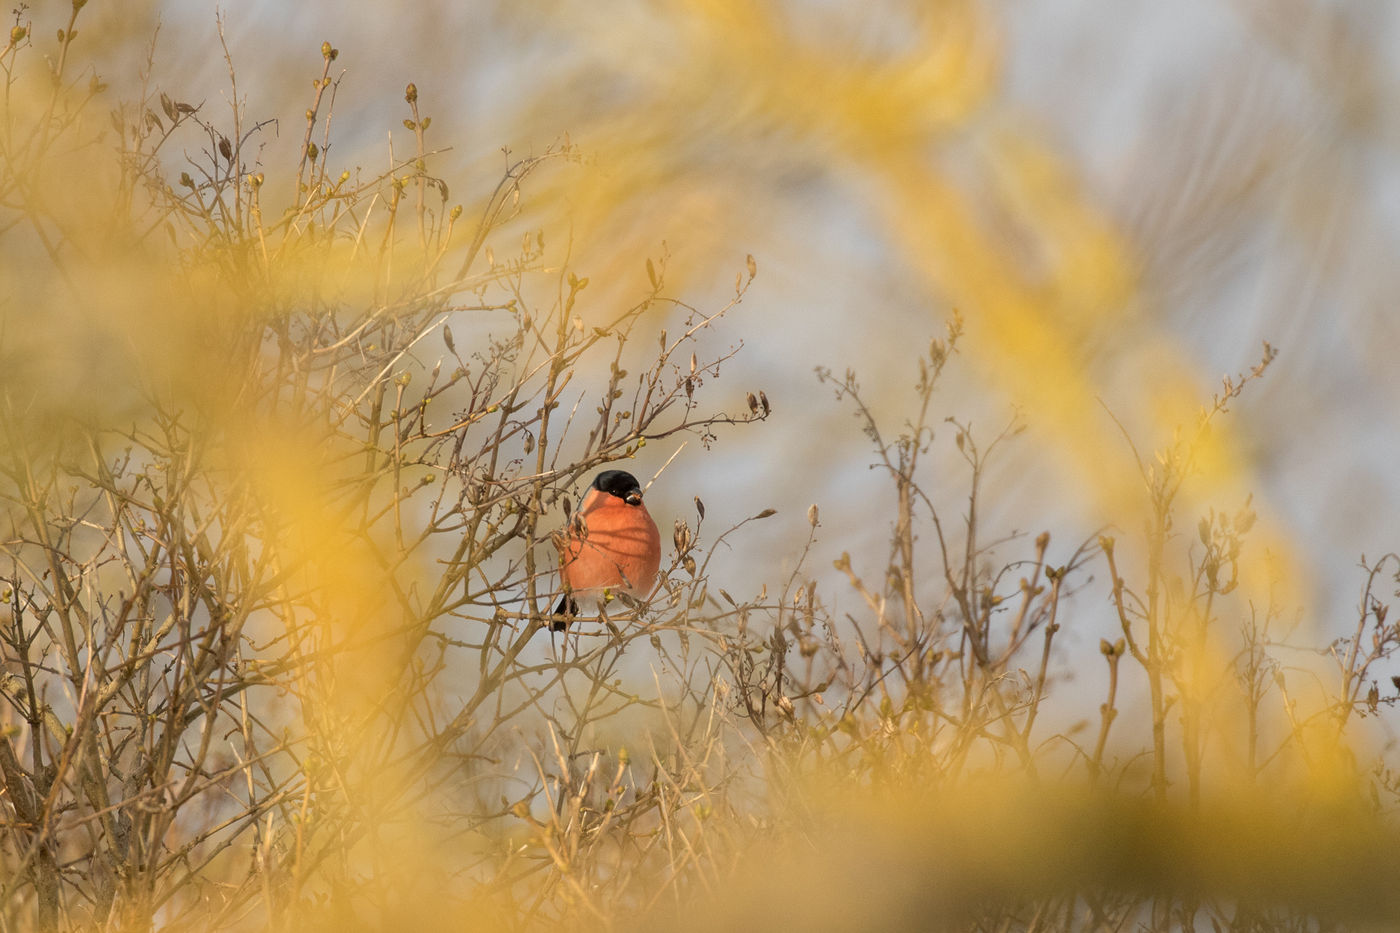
(1247, 152)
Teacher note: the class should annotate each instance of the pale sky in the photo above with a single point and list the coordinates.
(1247, 149)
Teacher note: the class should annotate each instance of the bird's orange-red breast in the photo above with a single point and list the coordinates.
(612, 544)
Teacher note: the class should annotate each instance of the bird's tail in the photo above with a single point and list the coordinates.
(567, 609)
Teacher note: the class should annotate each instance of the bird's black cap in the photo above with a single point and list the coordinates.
(619, 483)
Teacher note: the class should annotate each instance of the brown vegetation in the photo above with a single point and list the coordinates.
(281, 448)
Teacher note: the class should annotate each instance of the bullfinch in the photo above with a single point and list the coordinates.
(612, 544)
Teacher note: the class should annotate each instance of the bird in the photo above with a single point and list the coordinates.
(611, 545)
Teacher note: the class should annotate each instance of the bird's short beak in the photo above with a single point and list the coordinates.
(634, 498)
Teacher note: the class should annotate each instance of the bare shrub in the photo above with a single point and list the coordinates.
(281, 451)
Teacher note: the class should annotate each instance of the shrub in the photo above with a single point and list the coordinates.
(281, 451)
